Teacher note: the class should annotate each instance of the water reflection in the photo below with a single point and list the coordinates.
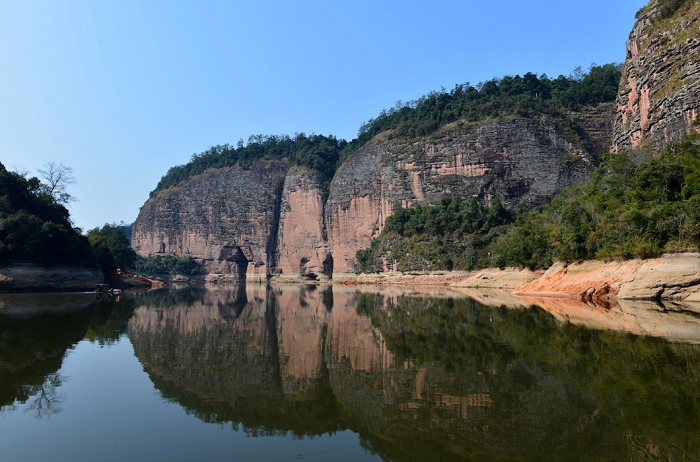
(426, 376)
(36, 332)
(421, 377)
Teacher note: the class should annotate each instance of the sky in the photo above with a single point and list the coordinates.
(122, 90)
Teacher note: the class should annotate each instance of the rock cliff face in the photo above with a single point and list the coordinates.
(303, 247)
(659, 95)
(522, 161)
(224, 218)
(273, 219)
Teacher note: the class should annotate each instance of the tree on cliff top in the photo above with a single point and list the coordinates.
(317, 152)
(510, 95)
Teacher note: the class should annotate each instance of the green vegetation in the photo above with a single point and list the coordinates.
(35, 227)
(665, 8)
(668, 7)
(112, 247)
(631, 207)
(492, 99)
(433, 238)
(317, 152)
(113, 250)
(167, 264)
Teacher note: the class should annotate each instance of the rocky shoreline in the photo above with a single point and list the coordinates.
(35, 278)
(670, 277)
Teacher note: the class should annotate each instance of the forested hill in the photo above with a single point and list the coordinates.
(317, 152)
(496, 98)
(35, 227)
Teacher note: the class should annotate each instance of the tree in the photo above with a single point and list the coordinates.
(35, 228)
(112, 247)
(57, 178)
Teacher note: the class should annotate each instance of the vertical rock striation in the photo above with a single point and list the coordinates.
(659, 97)
(522, 161)
(302, 245)
(226, 219)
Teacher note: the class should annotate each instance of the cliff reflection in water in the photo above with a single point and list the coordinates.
(419, 378)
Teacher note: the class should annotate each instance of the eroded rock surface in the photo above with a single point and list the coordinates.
(670, 277)
(522, 161)
(303, 247)
(659, 95)
(226, 219)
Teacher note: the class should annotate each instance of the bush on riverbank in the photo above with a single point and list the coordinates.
(157, 265)
(112, 247)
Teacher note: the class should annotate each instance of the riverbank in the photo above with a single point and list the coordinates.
(669, 277)
(36, 278)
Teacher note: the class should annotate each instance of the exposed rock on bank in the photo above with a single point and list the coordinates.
(33, 278)
(670, 277)
(489, 278)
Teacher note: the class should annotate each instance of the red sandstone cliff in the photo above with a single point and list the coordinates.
(303, 248)
(659, 95)
(226, 219)
(271, 219)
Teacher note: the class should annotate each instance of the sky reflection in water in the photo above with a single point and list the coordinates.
(303, 373)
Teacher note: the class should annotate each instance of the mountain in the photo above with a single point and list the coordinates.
(274, 207)
(303, 207)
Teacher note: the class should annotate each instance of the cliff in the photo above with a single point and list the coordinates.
(303, 247)
(524, 161)
(225, 218)
(659, 96)
(273, 219)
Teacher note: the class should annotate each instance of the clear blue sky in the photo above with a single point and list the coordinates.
(123, 90)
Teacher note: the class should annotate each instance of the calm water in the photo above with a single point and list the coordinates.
(268, 373)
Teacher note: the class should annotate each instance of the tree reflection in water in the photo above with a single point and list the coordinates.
(419, 378)
(37, 331)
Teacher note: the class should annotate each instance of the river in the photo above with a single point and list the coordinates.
(331, 373)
